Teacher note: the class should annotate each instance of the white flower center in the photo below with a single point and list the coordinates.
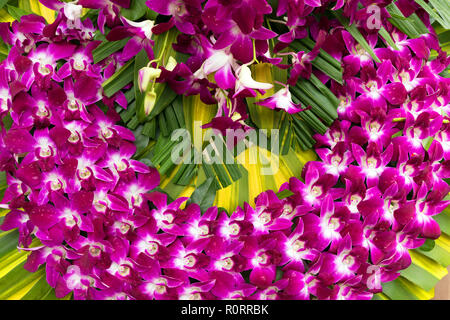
(73, 105)
(227, 263)
(95, 251)
(334, 224)
(55, 185)
(124, 270)
(189, 261)
(84, 173)
(152, 248)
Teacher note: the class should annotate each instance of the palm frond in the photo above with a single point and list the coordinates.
(438, 10)
(233, 184)
(411, 26)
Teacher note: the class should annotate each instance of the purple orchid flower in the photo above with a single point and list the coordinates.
(188, 261)
(44, 61)
(297, 248)
(358, 57)
(231, 286)
(140, 33)
(265, 216)
(273, 292)
(239, 25)
(281, 100)
(343, 265)
(338, 132)
(184, 14)
(372, 162)
(220, 62)
(262, 260)
(327, 227)
(316, 186)
(83, 92)
(168, 216)
(225, 256)
(337, 160)
(233, 226)
(200, 226)
(158, 286)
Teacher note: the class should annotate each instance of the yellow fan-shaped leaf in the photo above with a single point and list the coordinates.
(5, 16)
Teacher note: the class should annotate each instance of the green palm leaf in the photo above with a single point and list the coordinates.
(229, 186)
(438, 10)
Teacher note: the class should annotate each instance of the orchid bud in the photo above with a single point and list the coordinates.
(171, 64)
(246, 80)
(149, 102)
(146, 75)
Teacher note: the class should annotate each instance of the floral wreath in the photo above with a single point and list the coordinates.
(372, 102)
